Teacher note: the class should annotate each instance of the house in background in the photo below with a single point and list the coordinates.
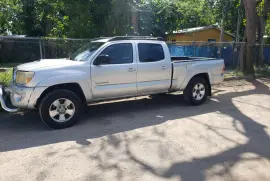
(204, 33)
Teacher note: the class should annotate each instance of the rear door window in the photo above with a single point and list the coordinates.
(150, 52)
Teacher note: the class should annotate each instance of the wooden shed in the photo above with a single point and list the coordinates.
(205, 33)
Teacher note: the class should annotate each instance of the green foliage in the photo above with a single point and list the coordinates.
(195, 13)
(93, 18)
(267, 26)
(9, 16)
(231, 8)
(158, 17)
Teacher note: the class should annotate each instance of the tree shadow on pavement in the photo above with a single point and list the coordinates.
(26, 131)
(258, 143)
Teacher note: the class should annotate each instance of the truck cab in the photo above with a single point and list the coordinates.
(130, 67)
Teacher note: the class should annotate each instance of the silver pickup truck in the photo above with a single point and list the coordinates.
(104, 69)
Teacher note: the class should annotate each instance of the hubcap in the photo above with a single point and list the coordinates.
(62, 110)
(198, 91)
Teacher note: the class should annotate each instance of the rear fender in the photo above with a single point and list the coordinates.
(192, 72)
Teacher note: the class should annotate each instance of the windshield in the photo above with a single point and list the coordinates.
(86, 51)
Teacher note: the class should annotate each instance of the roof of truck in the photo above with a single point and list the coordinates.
(118, 38)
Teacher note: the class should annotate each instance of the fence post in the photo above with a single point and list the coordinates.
(40, 49)
(194, 52)
(44, 48)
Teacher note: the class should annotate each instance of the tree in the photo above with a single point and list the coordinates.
(250, 10)
(9, 16)
(158, 17)
(230, 8)
(195, 13)
(119, 18)
(92, 18)
(263, 8)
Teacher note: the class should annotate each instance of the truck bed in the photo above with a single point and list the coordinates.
(189, 59)
(184, 68)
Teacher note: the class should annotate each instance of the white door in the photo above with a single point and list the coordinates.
(117, 78)
(154, 69)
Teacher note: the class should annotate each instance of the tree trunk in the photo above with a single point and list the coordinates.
(261, 28)
(135, 20)
(239, 19)
(260, 32)
(262, 18)
(242, 57)
(250, 9)
(221, 39)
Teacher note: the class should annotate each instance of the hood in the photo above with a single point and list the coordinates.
(46, 64)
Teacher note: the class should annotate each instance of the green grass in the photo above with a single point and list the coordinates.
(5, 77)
(234, 73)
(258, 72)
(262, 72)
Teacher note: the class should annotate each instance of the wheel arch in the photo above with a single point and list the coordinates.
(73, 87)
(206, 77)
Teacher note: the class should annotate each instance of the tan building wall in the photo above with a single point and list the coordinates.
(203, 35)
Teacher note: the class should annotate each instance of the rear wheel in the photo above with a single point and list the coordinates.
(196, 91)
(60, 109)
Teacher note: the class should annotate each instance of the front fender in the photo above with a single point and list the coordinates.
(82, 79)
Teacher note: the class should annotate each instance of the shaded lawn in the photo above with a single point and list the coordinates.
(8, 65)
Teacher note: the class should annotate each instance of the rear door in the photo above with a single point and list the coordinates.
(154, 68)
(117, 79)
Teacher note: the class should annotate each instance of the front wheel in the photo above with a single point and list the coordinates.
(60, 109)
(196, 91)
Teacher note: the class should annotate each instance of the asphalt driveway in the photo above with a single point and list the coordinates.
(159, 138)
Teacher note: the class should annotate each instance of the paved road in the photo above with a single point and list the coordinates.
(148, 139)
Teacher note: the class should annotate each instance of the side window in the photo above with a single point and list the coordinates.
(150, 52)
(119, 53)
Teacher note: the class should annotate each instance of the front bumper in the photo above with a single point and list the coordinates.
(19, 95)
(3, 103)
(23, 97)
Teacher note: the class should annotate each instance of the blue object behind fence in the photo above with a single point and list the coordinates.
(230, 56)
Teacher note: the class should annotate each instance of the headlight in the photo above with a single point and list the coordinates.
(23, 77)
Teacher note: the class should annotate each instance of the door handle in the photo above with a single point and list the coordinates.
(163, 67)
(131, 70)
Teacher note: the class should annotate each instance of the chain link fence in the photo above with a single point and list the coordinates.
(231, 52)
(18, 50)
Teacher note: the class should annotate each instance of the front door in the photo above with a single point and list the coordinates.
(118, 77)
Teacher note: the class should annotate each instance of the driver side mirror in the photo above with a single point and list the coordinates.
(102, 60)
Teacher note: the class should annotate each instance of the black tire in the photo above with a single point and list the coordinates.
(188, 92)
(49, 99)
